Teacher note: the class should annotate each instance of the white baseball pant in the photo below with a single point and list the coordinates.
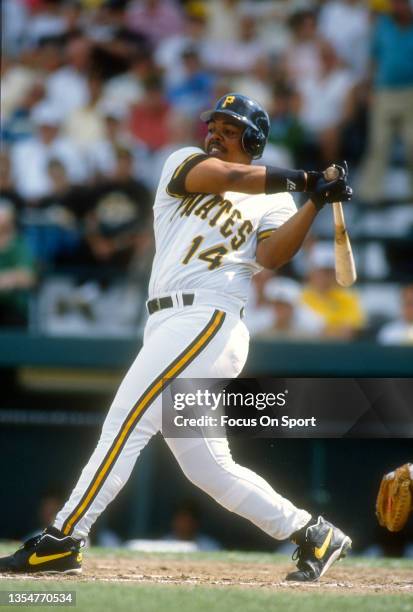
(197, 341)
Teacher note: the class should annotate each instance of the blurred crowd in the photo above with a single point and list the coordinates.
(97, 93)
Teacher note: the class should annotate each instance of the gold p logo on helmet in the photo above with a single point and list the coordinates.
(228, 100)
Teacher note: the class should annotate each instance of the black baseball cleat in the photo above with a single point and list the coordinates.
(50, 552)
(320, 545)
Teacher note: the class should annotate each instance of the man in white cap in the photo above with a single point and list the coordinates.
(290, 318)
(400, 330)
(30, 158)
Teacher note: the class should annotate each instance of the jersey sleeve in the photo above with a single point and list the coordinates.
(177, 167)
(283, 207)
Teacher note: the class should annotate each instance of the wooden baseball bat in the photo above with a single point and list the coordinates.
(346, 274)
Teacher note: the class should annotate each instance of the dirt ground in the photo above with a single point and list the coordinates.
(350, 577)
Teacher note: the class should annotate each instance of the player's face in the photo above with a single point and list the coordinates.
(224, 140)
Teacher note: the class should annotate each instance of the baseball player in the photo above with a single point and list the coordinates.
(218, 220)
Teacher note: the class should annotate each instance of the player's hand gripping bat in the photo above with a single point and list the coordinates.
(346, 274)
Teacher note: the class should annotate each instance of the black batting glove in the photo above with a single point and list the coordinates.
(333, 191)
(322, 191)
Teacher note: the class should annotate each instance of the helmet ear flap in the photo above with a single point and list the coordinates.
(253, 142)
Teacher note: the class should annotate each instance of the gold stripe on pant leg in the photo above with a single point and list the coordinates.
(173, 370)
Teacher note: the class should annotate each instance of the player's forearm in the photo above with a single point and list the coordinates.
(283, 244)
(245, 179)
(268, 179)
(215, 176)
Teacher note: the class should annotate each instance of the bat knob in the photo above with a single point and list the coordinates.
(332, 173)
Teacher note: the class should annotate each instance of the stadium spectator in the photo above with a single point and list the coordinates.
(17, 78)
(346, 25)
(17, 275)
(168, 54)
(258, 313)
(185, 527)
(74, 16)
(48, 21)
(272, 16)
(104, 21)
(47, 57)
(116, 219)
(50, 501)
(15, 15)
(157, 19)
(286, 129)
(85, 125)
(102, 154)
(302, 55)
(339, 308)
(379, 6)
(193, 91)
(236, 56)
(113, 43)
(400, 331)
(19, 126)
(30, 158)
(256, 83)
(324, 115)
(67, 87)
(290, 319)
(223, 20)
(8, 193)
(149, 117)
(50, 226)
(391, 109)
(127, 88)
(181, 133)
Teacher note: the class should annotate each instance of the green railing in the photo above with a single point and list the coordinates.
(268, 358)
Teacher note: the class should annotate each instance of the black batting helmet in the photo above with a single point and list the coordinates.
(249, 113)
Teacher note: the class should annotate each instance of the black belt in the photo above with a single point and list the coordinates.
(167, 302)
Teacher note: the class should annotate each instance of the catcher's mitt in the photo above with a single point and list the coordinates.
(395, 498)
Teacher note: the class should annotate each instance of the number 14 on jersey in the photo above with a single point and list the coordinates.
(213, 256)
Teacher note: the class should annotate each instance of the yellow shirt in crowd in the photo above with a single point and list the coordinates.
(380, 6)
(338, 307)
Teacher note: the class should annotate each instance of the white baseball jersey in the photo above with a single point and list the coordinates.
(209, 241)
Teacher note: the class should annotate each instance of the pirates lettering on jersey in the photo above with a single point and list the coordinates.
(225, 208)
(202, 211)
(187, 205)
(242, 234)
(205, 207)
(226, 228)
